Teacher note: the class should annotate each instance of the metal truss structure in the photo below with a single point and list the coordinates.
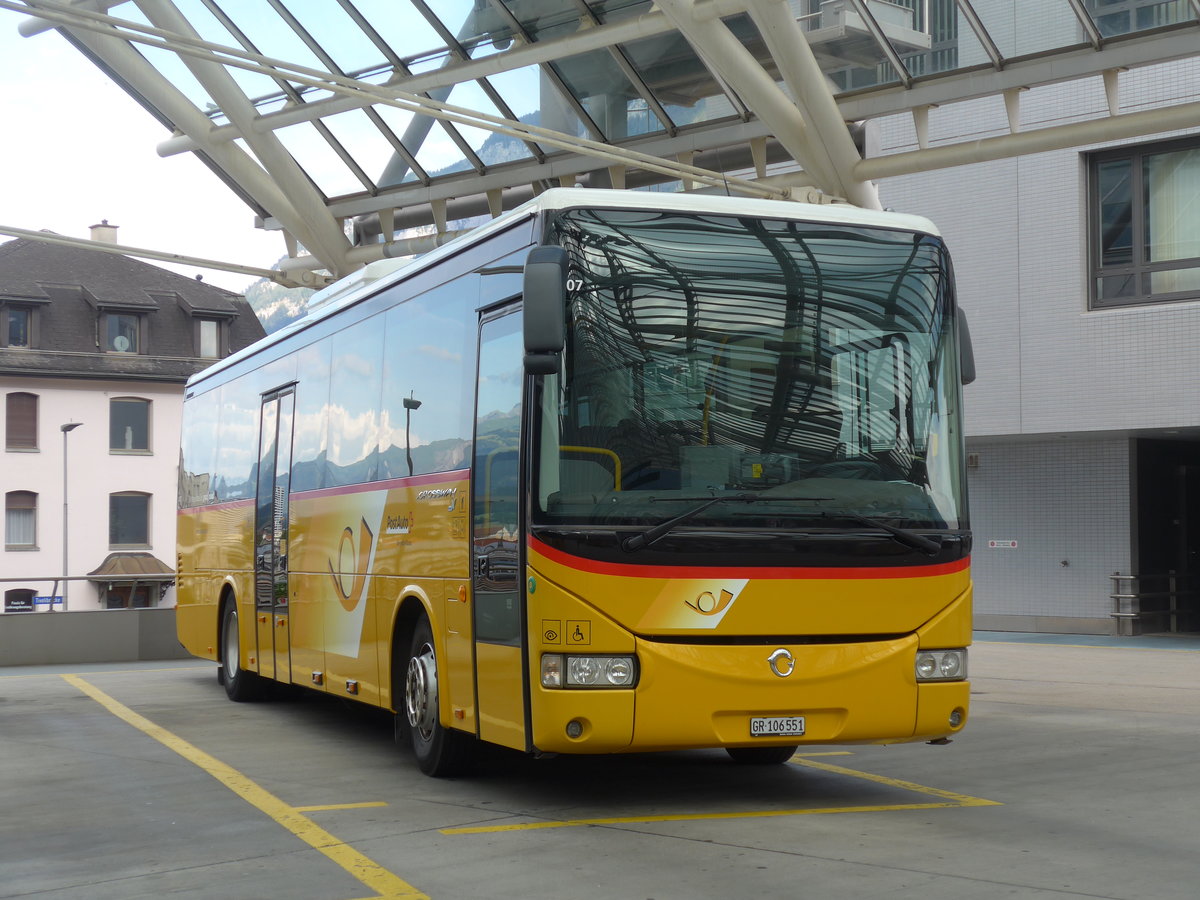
(363, 129)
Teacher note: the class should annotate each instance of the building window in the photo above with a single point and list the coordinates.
(20, 421)
(1145, 215)
(122, 333)
(16, 326)
(130, 596)
(208, 338)
(129, 425)
(20, 520)
(129, 520)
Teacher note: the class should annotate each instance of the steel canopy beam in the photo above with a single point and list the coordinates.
(325, 237)
(816, 146)
(829, 136)
(133, 69)
(1060, 137)
(519, 56)
(304, 75)
(49, 237)
(1049, 67)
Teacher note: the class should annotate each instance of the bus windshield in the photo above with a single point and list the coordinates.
(812, 365)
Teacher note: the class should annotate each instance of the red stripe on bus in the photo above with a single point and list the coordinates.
(632, 570)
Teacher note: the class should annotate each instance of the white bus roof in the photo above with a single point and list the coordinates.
(382, 273)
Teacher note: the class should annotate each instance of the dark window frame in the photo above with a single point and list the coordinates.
(106, 344)
(27, 424)
(147, 405)
(113, 524)
(198, 336)
(21, 500)
(7, 308)
(1137, 272)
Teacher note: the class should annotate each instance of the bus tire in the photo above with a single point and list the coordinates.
(241, 685)
(761, 756)
(440, 752)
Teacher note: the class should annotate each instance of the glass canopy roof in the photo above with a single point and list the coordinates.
(347, 123)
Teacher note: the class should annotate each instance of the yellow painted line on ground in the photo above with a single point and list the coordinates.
(4, 674)
(691, 817)
(949, 800)
(384, 883)
(826, 753)
(367, 805)
(954, 798)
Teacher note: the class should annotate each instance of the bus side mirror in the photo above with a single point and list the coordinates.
(966, 352)
(545, 305)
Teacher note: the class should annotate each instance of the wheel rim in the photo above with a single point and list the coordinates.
(420, 691)
(232, 649)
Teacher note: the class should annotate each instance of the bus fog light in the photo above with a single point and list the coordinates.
(956, 717)
(941, 665)
(574, 728)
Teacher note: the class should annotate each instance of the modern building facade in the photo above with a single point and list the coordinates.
(1080, 272)
(94, 352)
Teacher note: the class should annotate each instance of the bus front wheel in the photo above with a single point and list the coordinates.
(440, 751)
(240, 684)
(761, 756)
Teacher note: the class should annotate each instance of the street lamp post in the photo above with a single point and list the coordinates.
(66, 429)
(409, 405)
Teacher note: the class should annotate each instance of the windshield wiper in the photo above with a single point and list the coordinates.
(903, 535)
(652, 534)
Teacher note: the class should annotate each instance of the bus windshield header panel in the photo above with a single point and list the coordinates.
(735, 374)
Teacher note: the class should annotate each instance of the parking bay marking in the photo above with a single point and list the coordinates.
(390, 885)
(384, 883)
(949, 800)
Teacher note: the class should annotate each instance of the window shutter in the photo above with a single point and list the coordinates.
(21, 418)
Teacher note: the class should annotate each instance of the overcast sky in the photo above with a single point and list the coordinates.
(75, 149)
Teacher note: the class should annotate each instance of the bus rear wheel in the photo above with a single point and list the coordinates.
(440, 751)
(241, 684)
(761, 756)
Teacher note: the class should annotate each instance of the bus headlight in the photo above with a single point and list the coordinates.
(570, 671)
(941, 665)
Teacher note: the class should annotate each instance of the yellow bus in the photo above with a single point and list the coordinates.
(616, 472)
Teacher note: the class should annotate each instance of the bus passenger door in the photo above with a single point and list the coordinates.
(271, 534)
(497, 598)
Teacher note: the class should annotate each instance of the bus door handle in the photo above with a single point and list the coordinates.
(481, 566)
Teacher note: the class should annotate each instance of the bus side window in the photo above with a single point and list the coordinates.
(198, 452)
(427, 394)
(312, 418)
(355, 387)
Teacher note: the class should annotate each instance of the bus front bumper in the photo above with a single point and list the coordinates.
(693, 696)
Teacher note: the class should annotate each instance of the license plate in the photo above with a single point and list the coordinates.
(776, 726)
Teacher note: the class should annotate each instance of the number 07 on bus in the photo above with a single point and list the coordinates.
(615, 472)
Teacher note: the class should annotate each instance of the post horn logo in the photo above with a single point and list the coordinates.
(782, 662)
(708, 605)
(350, 585)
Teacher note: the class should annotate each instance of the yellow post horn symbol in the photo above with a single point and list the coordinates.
(350, 597)
(708, 605)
